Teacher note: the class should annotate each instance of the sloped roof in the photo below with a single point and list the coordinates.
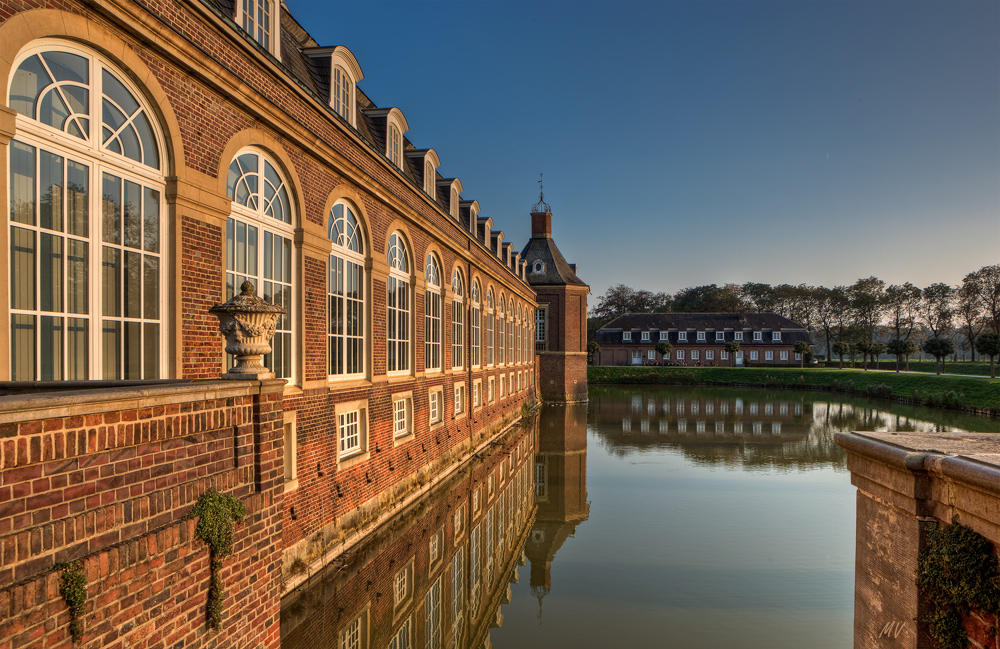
(557, 272)
(703, 321)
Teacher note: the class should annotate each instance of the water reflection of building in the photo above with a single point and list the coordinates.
(560, 488)
(436, 576)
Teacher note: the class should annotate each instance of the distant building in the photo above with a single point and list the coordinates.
(700, 339)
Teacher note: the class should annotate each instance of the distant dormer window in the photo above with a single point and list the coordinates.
(664, 335)
(775, 336)
(719, 336)
(259, 19)
(394, 146)
(454, 203)
(627, 336)
(682, 336)
(645, 336)
(738, 336)
(430, 177)
(341, 93)
(701, 336)
(538, 267)
(758, 335)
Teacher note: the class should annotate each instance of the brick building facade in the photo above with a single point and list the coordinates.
(157, 155)
(699, 339)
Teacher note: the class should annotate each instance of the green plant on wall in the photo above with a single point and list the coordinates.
(957, 573)
(73, 588)
(217, 514)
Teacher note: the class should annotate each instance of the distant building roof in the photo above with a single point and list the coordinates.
(554, 270)
(791, 332)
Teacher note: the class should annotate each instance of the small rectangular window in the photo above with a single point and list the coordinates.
(720, 336)
(459, 398)
(477, 393)
(682, 336)
(768, 356)
(645, 336)
(627, 336)
(290, 452)
(738, 336)
(663, 335)
(694, 355)
(491, 395)
(758, 335)
(798, 356)
(434, 402)
(636, 354)
(680, 354)
(724, 355)
(775, 336)
(402, 416)
(651, 355)
(350, 433)
(709, 355)
(753, 356)
(701, 336)
(784, 356)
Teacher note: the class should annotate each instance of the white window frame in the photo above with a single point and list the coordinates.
(354, 413)
(682, 336)
(346, 265)
(435, 407)
(490, 328)
(433, 316)
(664, 335)
(720, 336)
(758, 336)
(475, 325)
(627, 336)
(738, 336)
(775, 336)
(402, 585)
(753, 355)
(695, 355)
(680, 354)
(651, 354)
(724, 355)
(501, 332)
(477, 394)
(700, 336)
(402, 416)
(768, 355)
(251, 23)
(457, 320)
(399, 316)
(459, 409)
(644, 336)
(783, 355)
(491, 392)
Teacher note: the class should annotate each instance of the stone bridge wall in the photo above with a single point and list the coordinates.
(905, 482)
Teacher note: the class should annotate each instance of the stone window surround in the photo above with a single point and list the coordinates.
(361, 405)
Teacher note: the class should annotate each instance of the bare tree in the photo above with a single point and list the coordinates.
(937, 309)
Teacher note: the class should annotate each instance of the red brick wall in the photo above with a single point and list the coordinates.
(111, 487)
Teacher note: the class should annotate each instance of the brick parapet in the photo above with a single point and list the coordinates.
(112, 488)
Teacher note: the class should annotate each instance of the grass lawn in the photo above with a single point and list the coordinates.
(931, 390)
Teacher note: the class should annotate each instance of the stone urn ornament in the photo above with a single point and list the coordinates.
(248, 323)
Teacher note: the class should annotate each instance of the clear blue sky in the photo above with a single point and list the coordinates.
(688, 143)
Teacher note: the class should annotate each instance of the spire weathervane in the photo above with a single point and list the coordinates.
(541, 207)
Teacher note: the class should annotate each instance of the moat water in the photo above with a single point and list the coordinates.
(650, 517)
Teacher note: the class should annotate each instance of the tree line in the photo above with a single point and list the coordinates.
(865, 319)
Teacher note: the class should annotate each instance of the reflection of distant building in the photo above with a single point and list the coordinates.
(560, 488)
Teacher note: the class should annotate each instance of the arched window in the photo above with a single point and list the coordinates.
(260, 19)
(430, 179)
(86, 240)
(518, 339)
(398, 306)
(490, 326)
(259, 244)
(345, 294)
(510, 332)
(475, 317)
(501, 337)
(457, 320)
(394, 146)
(432, 314)
(341, 93)
(454, 204)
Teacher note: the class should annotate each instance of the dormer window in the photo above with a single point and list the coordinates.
(682, 336)
(719, 336)
(430, 175)
(664, 335)
(340, 93)
(454, 203)
(645, 336)
(775, 336)
(627, 336)
(758, 336)
(701, 336)
(538, 267)
(394, 145)
(260, 20)
(738, 336)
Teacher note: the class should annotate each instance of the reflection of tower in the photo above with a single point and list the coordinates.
(561, 319)
(560, 488)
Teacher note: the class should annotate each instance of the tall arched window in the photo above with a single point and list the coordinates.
(501, 339)
(86, 238)
(432, 314)
(475, 318)
(345, 294)
(341, 92)
(518, 337)
(490, 326)
(457, 320)
(259, 244)
(510, 332)
(430, 179)
(398, 306)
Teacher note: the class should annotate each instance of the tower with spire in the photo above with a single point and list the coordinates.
(561, 319)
